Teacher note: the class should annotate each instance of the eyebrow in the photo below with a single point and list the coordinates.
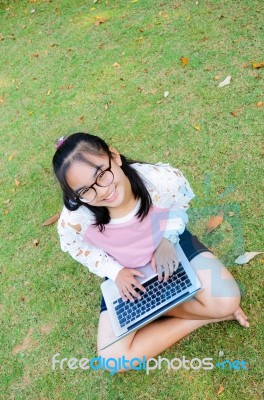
(97, 168)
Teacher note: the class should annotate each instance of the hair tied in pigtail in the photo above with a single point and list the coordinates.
(60, 142)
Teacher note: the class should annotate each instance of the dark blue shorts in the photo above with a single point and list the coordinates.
(190, 245)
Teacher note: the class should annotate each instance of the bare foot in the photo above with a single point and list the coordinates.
(241, 317)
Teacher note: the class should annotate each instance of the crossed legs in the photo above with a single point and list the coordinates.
(217, 301)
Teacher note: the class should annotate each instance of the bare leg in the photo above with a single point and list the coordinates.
(217, 301)
(150, 340)
(219, 297)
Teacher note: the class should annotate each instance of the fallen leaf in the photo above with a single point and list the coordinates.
(247, 256)
(10, 158)
(116, 64)
(106, 106)
(260, 104)
(6, 212)
(233, 113)
(17, 182)
(225, 82)
(257, 65)
(214, 222)
(217, 77)
(1, 99)
(35, 55)
(221, 353)
(139, 40)
(231, 214)
(51, 220)
(166, 94)
(49, 92)
(100, 20)
(35, 242)
(82, 119)
(184, 61)
(7, 201)
(197, 127)
(221, 389)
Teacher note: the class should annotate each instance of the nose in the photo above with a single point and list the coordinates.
(102, 192)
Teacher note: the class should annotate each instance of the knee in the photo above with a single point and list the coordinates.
(226, 306)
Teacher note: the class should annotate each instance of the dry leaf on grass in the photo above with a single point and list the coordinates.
(51, 220)
(221, 389)
(247, 256)
(100, 20)
(17, 182)
(214, 222)
(184, 61)
(257, 65)
(225, 82)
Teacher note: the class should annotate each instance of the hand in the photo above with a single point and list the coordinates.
(164, 259)
(126, 283)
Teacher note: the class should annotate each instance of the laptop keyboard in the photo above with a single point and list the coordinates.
(158, 293)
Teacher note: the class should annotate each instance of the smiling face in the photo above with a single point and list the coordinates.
(117, 195)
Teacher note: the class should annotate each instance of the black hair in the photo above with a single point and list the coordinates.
(75, 148)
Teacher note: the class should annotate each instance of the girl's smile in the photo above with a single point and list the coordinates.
(117, 197)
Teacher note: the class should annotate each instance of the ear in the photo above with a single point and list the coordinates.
(116, 155)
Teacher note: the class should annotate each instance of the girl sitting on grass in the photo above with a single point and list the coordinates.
(110, 203)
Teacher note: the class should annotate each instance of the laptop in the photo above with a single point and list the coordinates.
(160, 297)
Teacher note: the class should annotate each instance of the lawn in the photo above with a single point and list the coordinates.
(143, 75)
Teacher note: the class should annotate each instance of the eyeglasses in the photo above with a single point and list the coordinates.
(105, 178)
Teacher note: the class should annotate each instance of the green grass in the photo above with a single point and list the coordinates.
(56, 77)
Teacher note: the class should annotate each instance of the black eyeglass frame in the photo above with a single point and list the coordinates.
(78, 197)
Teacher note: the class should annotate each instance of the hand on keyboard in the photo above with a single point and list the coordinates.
(126, 282)
(164, 259)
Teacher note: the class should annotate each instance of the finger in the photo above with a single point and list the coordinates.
(171, 268)
(159, 271)
(166, 272)
(176, 264)
(153, 263)
(139, 286)
(126, 292)
(135, 293)
(138, 273)
(122, 295)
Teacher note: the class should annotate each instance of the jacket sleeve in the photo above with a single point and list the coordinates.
(71, 228)
(173, 192)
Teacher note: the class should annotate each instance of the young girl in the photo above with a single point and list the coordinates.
(113, 222)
